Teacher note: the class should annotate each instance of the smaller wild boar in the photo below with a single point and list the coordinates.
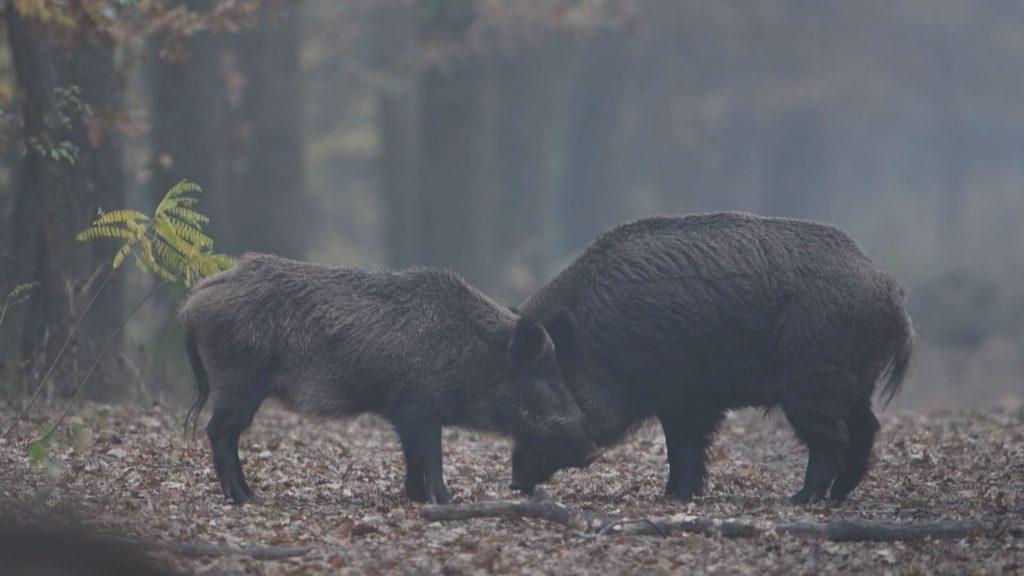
(683, 318)
(419, 347)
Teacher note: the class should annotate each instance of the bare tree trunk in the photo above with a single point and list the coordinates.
(188, 102)
(265, 160)
(590, 192)
(448, 149)
(392, 52)
(518, 143)
(71, 168)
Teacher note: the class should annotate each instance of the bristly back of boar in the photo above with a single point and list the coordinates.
(683, 318)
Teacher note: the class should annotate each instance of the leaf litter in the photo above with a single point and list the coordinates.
(336, 487)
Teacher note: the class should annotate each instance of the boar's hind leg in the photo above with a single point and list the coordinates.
(224, 430)
(420, 435)
(863, 426)
(821, 425)
(687, 434)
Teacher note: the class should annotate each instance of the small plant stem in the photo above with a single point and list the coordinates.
(96, 362)
(60, 354)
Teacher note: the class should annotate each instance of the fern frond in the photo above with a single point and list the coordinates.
(120, 216)
(176, 197)
(167, 233)
(151, 263)
(190, 234)
(173, 260)
(171, 244)
(187, 215)
(104, 232)
(214, 263)
(221, 261)
(121, 254)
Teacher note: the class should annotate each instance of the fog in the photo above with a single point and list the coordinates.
(498, 138)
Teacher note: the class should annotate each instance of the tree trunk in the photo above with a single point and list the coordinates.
(391, 55)
(188, 103)
(448, 149)
(590, 197)
(265, 181)
(71, 168)
(518, 144)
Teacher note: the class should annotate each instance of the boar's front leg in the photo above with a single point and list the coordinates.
(420, 434)
(687, 435)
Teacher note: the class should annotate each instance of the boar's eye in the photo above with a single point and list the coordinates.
(527, 341)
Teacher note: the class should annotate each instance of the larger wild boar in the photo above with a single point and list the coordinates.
(419, 347)
(684, 318)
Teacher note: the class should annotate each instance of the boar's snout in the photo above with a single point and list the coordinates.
(535, 462)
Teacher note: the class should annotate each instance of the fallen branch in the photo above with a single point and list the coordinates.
(852, 530)
(540, 506)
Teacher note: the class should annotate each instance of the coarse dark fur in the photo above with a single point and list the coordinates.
(684, 318)
(419, 347)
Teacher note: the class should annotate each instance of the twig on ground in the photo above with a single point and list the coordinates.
(850, 530)
(612, 524)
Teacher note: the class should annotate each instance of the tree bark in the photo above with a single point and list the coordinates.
(517, 101)
(391, 56)
(590, 198)
(265, 159)
(70, 169)
(189, 107)
(450, 234)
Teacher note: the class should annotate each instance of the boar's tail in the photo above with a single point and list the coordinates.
(202, 381)
(899, 363)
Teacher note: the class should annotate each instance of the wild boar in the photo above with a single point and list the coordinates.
(684, 318)
(419, 347)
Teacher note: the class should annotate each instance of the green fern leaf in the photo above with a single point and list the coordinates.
(104, 232)
(190, 234)
(187, 215)
(121, 254)
(171, 244)
(174, 196)
(151, 263)
(120, 216)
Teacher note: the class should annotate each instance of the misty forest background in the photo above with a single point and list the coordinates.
(498, 138)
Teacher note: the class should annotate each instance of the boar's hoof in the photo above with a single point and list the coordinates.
(239, 499)
(681, 494)
(236, 492)
(439, 495)
(436, 493)
(805, 496)
(523, 487)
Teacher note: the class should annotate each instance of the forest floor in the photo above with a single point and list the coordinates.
(336, 487)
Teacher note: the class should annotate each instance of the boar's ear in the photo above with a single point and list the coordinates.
(527, 340)
(561, 326)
